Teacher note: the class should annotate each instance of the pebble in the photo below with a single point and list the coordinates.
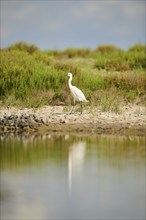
(15, 122)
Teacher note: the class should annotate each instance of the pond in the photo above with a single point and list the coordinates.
(72, 177)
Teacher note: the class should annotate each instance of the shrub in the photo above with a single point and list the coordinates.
(21, 74)
(70, 52)
(137, 48)
(107, 49)
(22, 46)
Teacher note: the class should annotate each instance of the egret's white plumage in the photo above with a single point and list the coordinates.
(76, 93)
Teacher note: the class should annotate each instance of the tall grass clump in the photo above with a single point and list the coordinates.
(136, 57)
(22, 76)
(109, 57)
(22, 46)
(70, 53)
(110, 100)
(106, 49)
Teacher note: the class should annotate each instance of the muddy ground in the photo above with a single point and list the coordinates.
(130, 121)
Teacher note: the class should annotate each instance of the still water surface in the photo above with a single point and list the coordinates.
(72, 177)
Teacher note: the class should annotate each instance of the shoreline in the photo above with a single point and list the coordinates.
(56, 119)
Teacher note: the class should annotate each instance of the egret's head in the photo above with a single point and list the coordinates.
(69, 74)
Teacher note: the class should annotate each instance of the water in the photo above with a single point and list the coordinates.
(72, 177)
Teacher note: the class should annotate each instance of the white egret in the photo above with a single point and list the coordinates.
(76, 93)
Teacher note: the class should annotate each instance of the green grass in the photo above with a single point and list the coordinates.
(107, 75)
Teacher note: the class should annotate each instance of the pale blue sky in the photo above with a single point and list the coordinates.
(65, 24)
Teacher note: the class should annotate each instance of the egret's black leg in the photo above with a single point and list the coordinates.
(81, 107)
(73, 107)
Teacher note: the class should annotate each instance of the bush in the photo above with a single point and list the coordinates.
(22, 46)
(137, 48)
(104, 49)
(21, 74)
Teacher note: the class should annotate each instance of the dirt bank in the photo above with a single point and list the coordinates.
(131, 120)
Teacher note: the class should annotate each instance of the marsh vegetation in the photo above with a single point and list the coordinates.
(108, 76)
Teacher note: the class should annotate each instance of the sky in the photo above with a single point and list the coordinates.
(66, 24)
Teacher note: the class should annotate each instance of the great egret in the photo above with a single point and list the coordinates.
(76, 93)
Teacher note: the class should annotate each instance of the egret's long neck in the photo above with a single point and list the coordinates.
(69, 82)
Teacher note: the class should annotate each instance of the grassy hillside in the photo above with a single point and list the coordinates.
(107, 75)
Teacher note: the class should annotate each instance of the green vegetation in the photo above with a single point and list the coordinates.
(107, 75)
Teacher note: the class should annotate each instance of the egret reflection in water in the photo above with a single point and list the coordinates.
(49, 177)
(75, 161)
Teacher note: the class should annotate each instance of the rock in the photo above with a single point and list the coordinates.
(63, 121)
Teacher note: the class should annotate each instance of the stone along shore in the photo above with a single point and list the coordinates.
(131, 120)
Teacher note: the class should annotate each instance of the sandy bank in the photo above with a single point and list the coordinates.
(131, 120)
